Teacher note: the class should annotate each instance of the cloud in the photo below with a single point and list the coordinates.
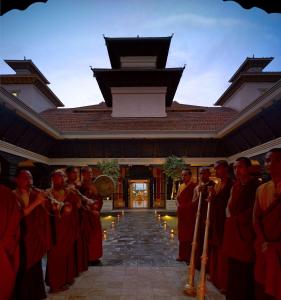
(203, 89)
(194, 20)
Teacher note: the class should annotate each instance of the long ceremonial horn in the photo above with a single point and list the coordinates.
(201, 288)
(189, 288)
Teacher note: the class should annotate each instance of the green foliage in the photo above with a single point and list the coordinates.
(173, 166)
(110, 168)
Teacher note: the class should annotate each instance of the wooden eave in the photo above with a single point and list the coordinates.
(28, 65)
(251, 63)
(108, 78)
(36, 81)
(138, 46)
(247, 77)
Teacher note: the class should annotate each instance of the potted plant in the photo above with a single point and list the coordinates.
(172, 168)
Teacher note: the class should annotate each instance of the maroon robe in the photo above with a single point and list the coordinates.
(186, 218)
(80, 254)
(61, 267)
(202, 221)
(82, 241)
(218, 262)
(238, 243)
(92, 224)
(267, 223)
(35, 240)
(85, 214)
(9, 241)
(95, 250)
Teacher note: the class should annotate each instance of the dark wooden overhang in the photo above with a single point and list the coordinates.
(26, 65)
(17, 131)
(108, 78)
(138, 46)
(34, 80)
(137, 148)
(251, 63)
(248, 77)
(264, 127)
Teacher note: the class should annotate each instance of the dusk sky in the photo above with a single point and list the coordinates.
(211, 37)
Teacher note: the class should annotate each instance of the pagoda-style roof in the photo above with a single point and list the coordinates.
(251, 65)
(26, 65)
(35, 80)
(108, 78)
(269, 77)
(138, 46)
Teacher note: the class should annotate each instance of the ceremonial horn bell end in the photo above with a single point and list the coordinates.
(190, 290)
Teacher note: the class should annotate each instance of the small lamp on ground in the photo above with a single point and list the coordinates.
(105, 235)
(172, 234)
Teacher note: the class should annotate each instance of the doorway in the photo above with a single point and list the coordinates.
(139, 193)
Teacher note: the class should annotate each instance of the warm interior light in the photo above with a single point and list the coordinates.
(166, 218)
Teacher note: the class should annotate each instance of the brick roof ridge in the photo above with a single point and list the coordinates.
(102, 104)
(186, 107)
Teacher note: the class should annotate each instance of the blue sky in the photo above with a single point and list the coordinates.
(211, 37)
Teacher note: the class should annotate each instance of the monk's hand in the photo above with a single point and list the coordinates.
(40, 198)
(211, 193)
(264, 246)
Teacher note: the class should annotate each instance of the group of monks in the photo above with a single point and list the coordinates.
(62, 223)
(244, 227)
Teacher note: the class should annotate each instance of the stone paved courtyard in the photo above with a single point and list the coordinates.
(139, 262)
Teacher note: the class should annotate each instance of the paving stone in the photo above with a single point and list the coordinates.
(139, 263)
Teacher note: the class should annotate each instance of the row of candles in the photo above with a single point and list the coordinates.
(172, 231)
(113, 224)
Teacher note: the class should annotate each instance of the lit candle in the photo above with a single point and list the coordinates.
(112, 224)
(123, 212)
(172, 231)
(104, 235)
(155, 212)
(172, 236)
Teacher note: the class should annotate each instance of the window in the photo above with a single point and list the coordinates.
(15, 93)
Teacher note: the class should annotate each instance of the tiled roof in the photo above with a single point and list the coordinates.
(180, 117)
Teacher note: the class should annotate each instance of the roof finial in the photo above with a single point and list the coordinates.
(24, 58)
(253, 56)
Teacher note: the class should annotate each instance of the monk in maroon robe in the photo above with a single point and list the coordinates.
(204, 184)
(9, 242)
(61, 268)
(35, 238)
(219, 198)
(186, 216)
(80, 247)
(238, 243)
(95, 250)
(267, 223)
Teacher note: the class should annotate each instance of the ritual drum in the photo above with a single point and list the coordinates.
(105, 185)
